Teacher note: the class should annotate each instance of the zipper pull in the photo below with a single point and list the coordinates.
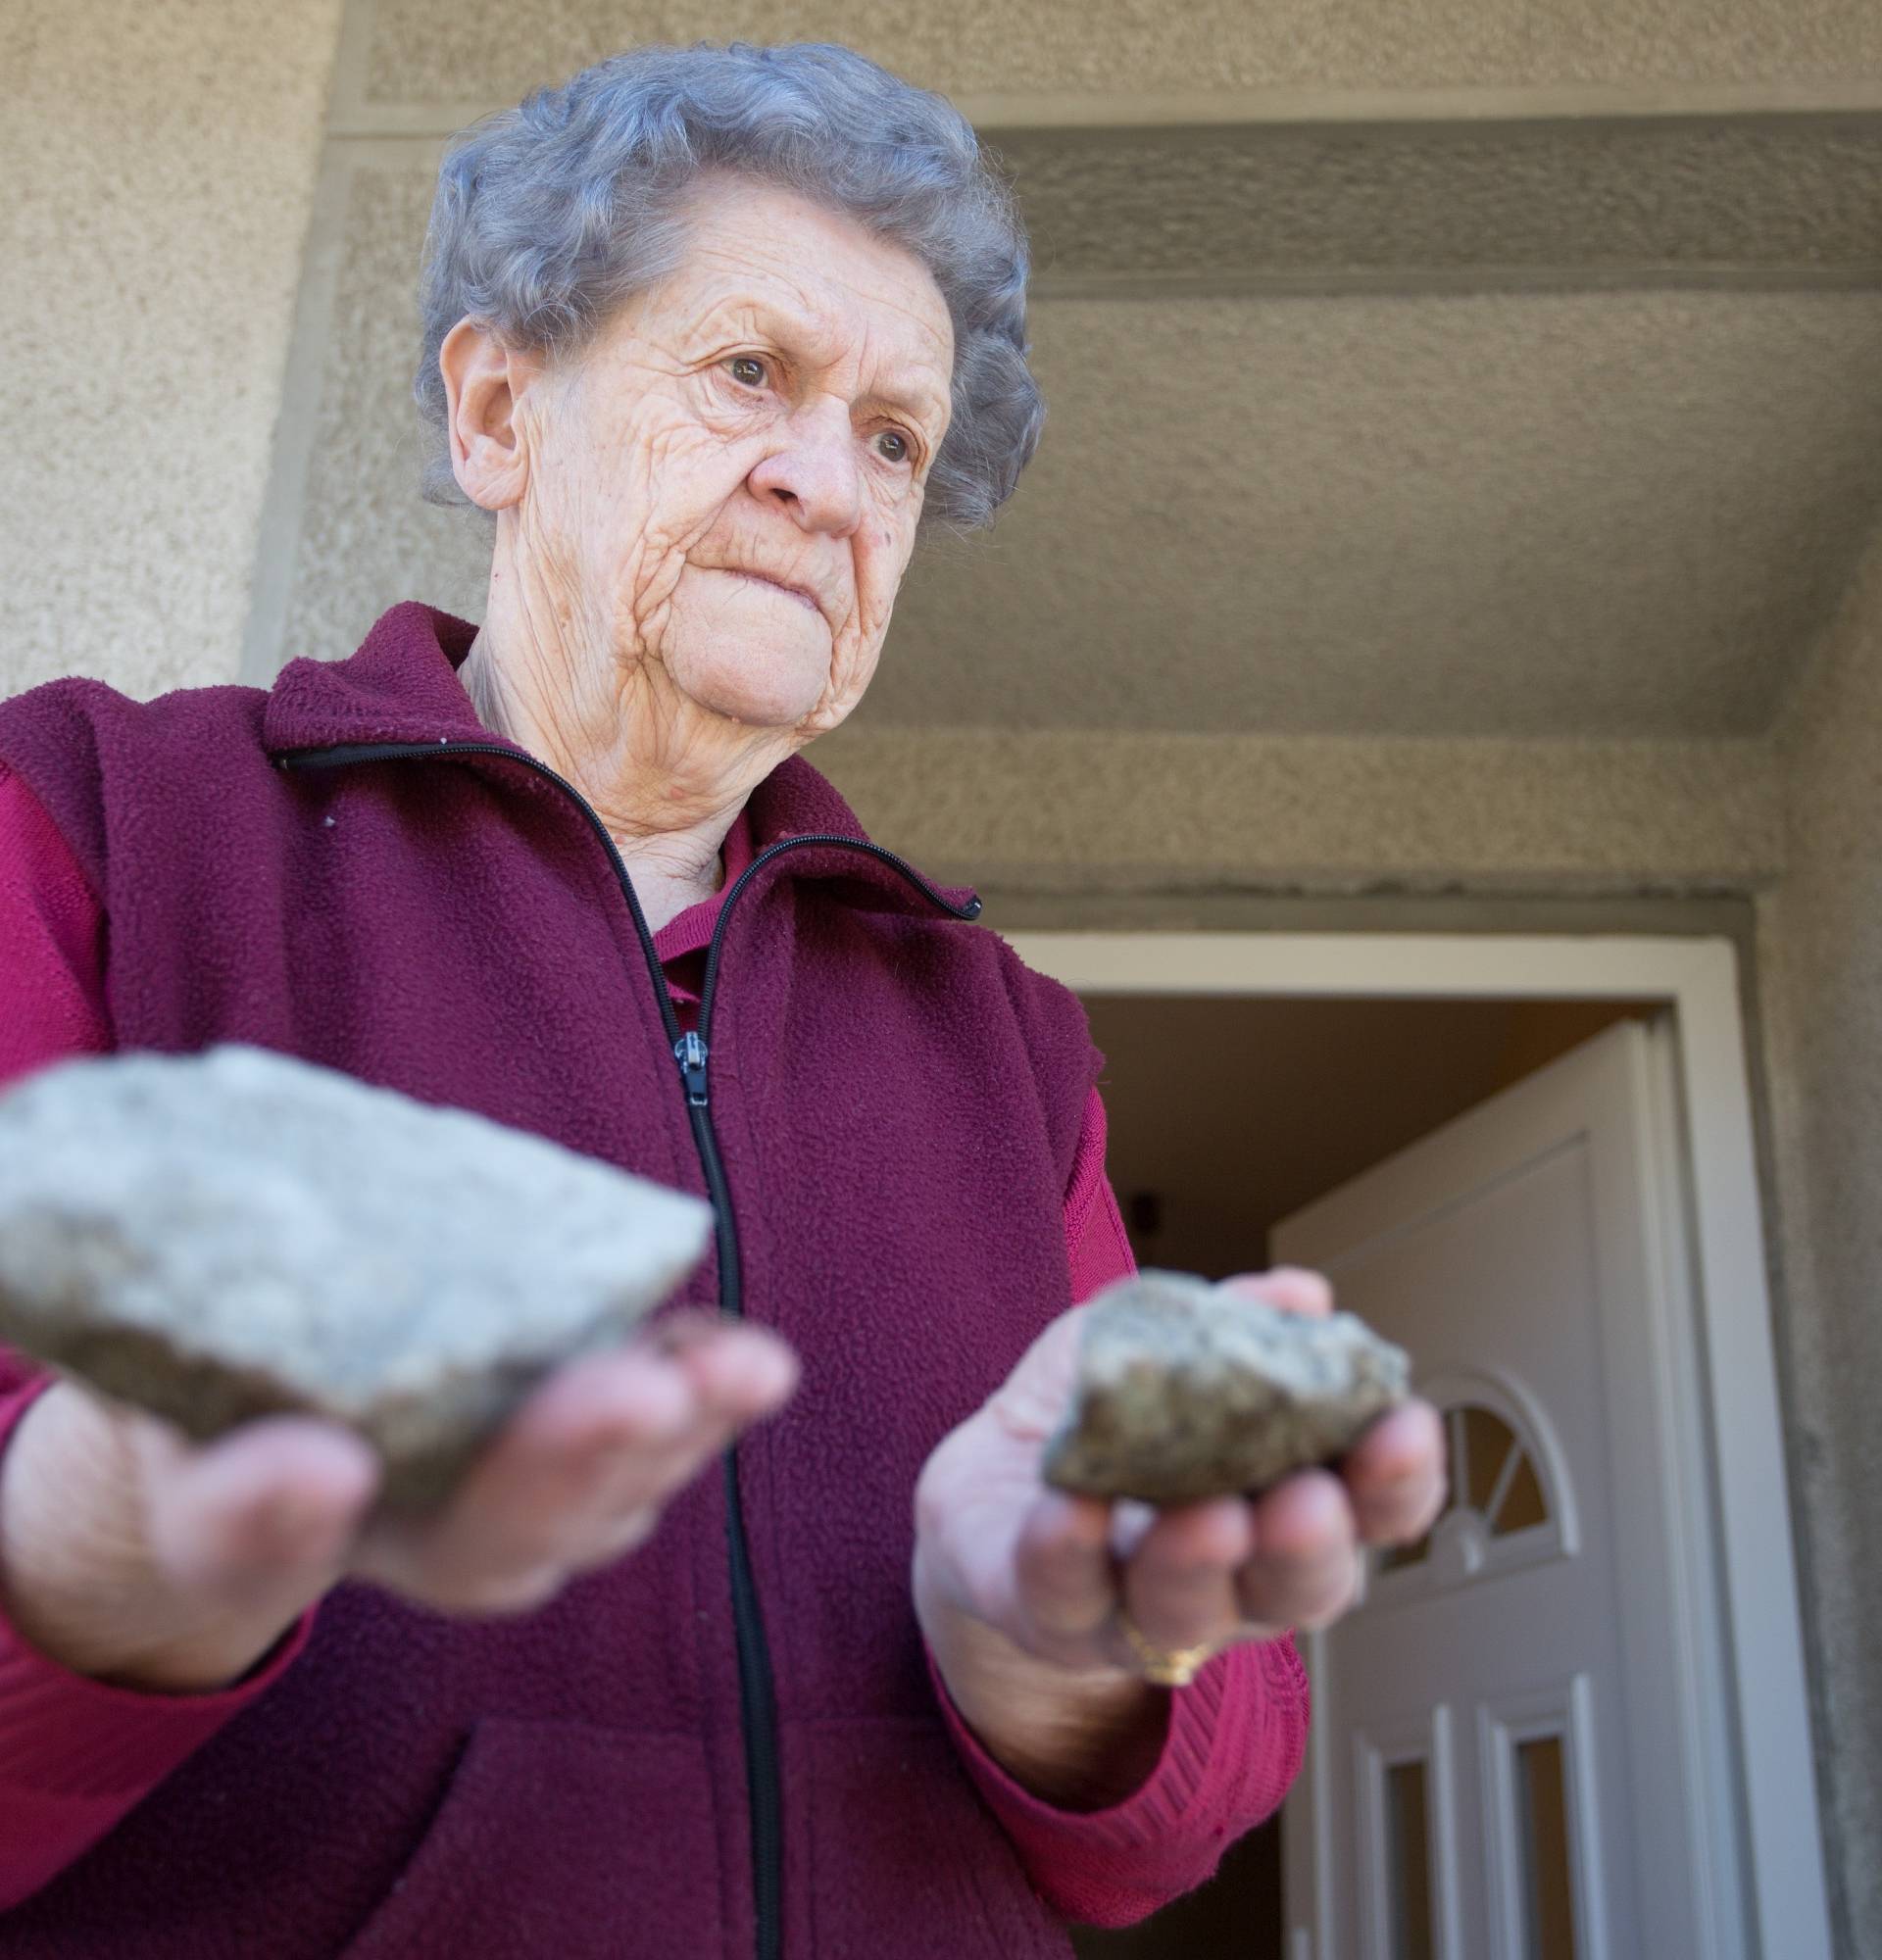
(690, 1052)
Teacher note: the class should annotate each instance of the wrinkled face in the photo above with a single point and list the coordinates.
(726, 481)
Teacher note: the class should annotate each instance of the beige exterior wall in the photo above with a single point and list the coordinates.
(166, 165)
(420, 52)
(160, 167)
(1820, 946)
(1098, 811)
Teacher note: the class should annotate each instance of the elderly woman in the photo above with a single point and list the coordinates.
(710, 335)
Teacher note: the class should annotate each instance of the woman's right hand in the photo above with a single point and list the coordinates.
(129, 1553)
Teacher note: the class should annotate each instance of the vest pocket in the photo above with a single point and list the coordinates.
(557, 1838)
(899, 1854)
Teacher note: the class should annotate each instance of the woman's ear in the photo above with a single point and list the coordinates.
(484, 387)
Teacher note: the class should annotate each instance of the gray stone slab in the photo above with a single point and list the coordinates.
(1187, 1390)
(235, 1234)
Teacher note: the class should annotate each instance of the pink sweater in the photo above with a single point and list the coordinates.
(76, 1754)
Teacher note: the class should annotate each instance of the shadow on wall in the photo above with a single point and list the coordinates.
(1236, 1916)
(1228, 1116)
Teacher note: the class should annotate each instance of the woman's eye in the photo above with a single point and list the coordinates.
(892, 446)
(747, 369)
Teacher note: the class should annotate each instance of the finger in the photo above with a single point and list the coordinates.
(1180, 1587)
(610, 1486)
(603, 1443)
(612, 1537)
(523, 1587)
(580, 1472)
(735, 1375)
(740, 1373)
(1292, 1289)
(1306, 1568)
(585, 1424)
(270, 1502)
(1064, 1578)
(680, 1329)
(1395, 1475)
(1131, 1522)
(628, 1395)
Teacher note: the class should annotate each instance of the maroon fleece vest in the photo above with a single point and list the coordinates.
(897, 1101)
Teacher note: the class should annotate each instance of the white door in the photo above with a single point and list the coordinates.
(1518, 1748)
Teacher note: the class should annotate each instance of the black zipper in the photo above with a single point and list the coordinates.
(757, 1689)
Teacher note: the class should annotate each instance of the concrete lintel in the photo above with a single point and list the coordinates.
(1701, 202)
(1249, 208)
(353, 113)
(1321, 814)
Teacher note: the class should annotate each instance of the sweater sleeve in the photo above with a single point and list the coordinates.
(1236, 1734)
(75, 1754)
(52, 991)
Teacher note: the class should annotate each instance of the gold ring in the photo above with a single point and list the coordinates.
(1163, 1667)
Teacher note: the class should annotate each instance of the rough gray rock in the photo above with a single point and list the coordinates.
(235, 1234)
(1187, 1392)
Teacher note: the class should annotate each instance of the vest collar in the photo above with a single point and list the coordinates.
(402, 685)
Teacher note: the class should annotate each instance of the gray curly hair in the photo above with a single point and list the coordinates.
(549, 215)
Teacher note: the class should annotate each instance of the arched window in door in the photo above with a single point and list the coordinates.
(1509, 1502)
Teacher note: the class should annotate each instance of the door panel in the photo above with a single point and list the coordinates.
(1526, 1657)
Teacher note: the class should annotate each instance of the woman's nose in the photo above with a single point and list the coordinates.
(816, 472)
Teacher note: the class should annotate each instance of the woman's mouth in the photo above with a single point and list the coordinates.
(804, 599)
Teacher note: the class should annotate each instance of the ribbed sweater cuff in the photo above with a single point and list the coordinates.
(1149, 1814)
(70, 1740)
(1232, 1747)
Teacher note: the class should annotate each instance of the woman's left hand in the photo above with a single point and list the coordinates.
(1029, 1597)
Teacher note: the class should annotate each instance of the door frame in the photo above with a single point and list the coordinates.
(1740, 1505)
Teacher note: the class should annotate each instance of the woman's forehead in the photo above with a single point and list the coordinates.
(759, 259)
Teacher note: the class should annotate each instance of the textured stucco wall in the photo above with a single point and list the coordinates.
(1458, 203)
(1450, 515)
(1820, 946)
(1098, 811)
(160, 167)
(440, 50)
(1468, 514)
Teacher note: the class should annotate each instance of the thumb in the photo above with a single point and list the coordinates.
(1291, 1289)
(261, 1516)
(1033, 1398)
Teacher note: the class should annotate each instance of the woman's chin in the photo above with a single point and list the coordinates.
(775, 689)
(760, 707)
